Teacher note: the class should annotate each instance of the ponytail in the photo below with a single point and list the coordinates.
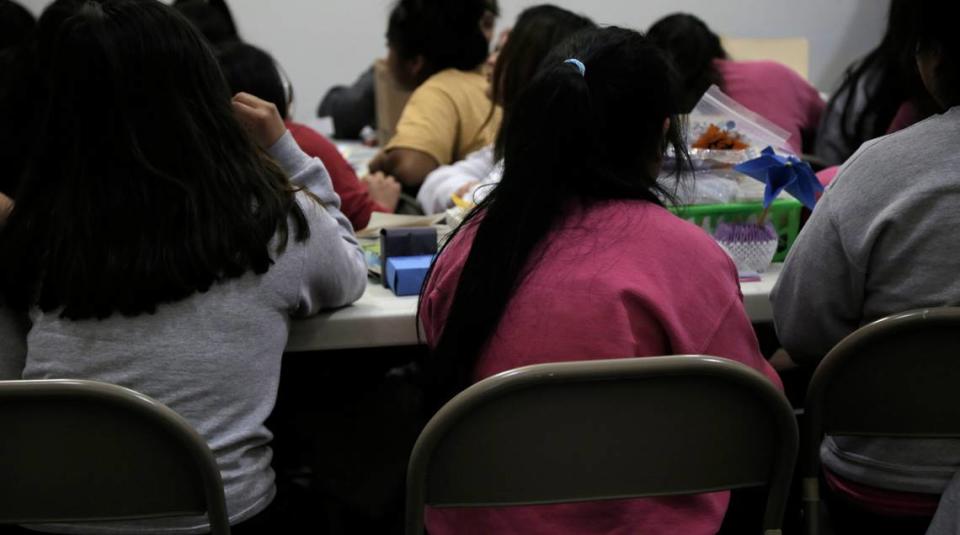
(571, 138)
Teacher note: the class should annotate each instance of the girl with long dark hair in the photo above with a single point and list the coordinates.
(880, 94)
(158, 243)
(767, 88)
(573, 257)
(537, 31)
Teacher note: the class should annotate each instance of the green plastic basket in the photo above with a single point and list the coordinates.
(784, 214)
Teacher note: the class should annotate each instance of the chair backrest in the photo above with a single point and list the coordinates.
(81, 451)
(893, 378)
(596, 430)
(794, 52)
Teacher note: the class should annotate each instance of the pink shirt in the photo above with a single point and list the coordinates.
(775, 92)
(620, 279)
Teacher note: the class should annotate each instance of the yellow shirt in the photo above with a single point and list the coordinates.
(446, 117)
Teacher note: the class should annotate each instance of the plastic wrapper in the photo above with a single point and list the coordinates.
(706, 187)
(717, 110)
(751, 246)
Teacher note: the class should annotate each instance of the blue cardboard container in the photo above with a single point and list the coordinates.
(405, 274)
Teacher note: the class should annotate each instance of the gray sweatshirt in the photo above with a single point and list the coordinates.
(214, 357)
(882, 240)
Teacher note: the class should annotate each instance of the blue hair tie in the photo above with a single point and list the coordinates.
(578, 64)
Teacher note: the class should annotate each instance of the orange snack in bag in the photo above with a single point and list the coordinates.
(716, 138)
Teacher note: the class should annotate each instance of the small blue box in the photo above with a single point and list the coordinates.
(405, 274)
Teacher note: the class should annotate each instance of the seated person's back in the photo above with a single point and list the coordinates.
(447, 117)
(437, 49)
(881, 93)
(880, 243)
(767, 88)
(577, 259)
(156, 247)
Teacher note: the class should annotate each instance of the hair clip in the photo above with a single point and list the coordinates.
(579, 65)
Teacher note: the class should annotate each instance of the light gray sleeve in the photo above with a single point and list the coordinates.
(13, 345)
(818, 299)
(299, 167)
(334, 272)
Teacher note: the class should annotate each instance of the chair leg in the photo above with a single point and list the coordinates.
(811, 505)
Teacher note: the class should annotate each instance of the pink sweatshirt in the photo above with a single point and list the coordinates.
(620, 279)
(775, 92)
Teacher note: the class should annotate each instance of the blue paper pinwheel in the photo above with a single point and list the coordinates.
(783, 173)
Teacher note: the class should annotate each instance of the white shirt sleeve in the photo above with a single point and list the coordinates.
(436, 193)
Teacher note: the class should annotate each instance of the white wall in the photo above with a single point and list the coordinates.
(326, 42)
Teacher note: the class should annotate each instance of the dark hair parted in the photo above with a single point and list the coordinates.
(211, 17)
(17, 89)
(146, 188)
(888, 77)
(569, 140)
(249, 69)
(16, 25)
(937, 33)
(447, 34)
(693, 47)
(537, 31)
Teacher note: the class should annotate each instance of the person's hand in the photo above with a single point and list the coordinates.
(261, 119)
(377, 163)
(384, 190)
(6, 206)
(465, 189)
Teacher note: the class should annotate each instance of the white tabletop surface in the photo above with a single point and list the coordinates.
(381, 319)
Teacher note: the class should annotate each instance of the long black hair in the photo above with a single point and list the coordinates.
(892, 64)
(693, 47)
(447, 34)
(938, 35)
(537, 31)
(145, 189)
(16, 25)
(249, 69)
(570, 139)
(212, 18)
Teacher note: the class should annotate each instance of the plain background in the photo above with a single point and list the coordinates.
(322, 43)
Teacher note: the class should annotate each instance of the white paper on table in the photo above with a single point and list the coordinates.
(380, 220)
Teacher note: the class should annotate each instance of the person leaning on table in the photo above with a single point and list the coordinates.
(164, 248)
(882, 241)
(437, 49)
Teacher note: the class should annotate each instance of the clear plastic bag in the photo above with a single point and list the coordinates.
(751, 246)
(716, 108)
(719, 186)
(713, 180)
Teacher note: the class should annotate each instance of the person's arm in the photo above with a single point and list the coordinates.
(6, 206)
(384, 191)
(436, 193)
(734, 338)
(425, 139)
(818, 299)
(409, 166)
(334, 271)
(358, 199)
(351, 108)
